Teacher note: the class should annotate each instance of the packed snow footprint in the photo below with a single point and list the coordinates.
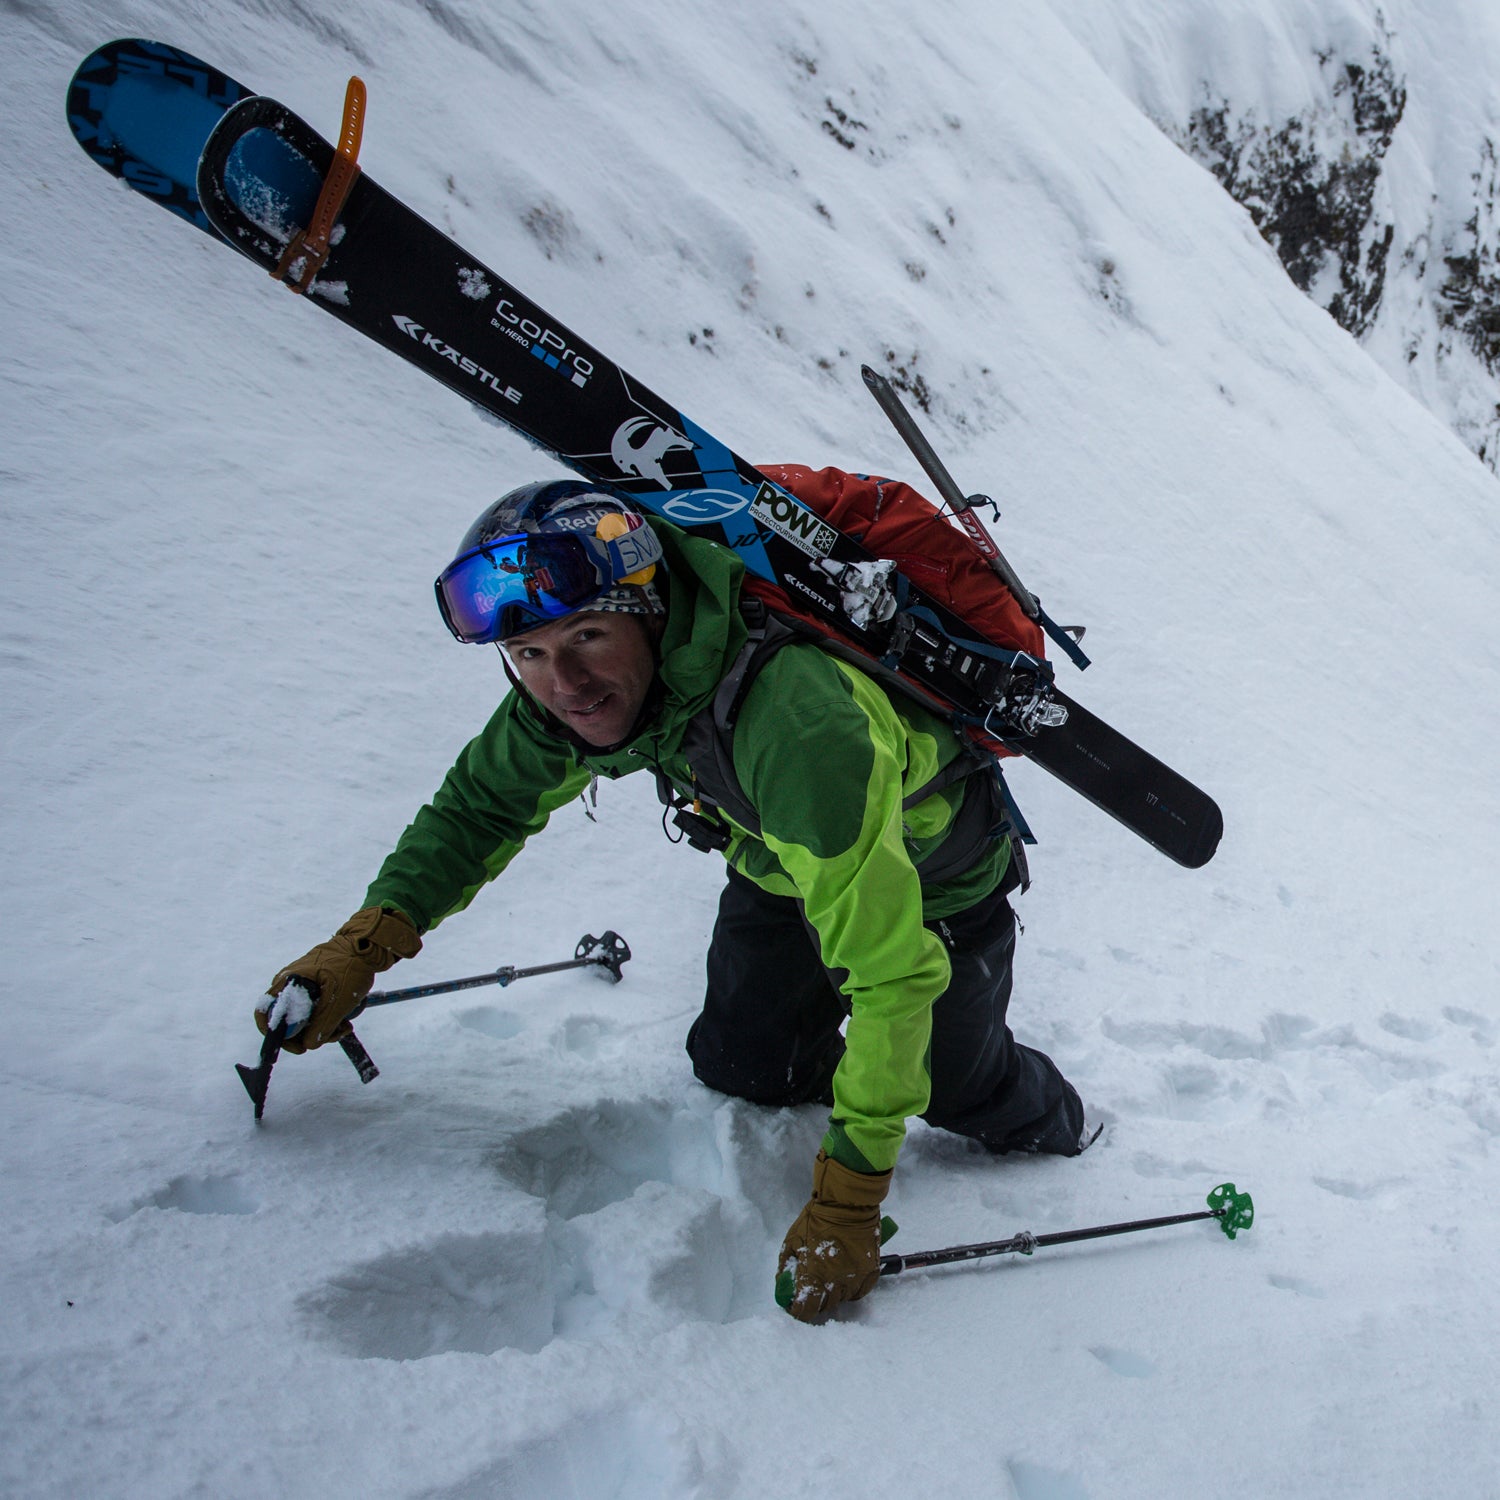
(461, 1294)
(1203, 1064)
(491, 1021)
(196, 1195)
(1123, 1362)
(636, 1218)
(586, 1159)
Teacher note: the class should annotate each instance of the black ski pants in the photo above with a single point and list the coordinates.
(770, 1027)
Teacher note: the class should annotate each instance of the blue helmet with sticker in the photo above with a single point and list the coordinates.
(545, 551)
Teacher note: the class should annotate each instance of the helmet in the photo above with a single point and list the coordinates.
(545, 551)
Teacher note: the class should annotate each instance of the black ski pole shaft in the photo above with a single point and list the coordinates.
(960, 504)
(501, 976)
(506, 974)
(1024, 1243)
(1233, 1210)
(616, 951)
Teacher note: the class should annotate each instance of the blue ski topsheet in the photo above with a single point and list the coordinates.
(143, 111)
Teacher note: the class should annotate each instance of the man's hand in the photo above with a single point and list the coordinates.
(337, 975)
(831, 1254)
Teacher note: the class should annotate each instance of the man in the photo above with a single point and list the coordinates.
(862, 951)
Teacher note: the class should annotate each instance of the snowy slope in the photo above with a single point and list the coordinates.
(534, 1258)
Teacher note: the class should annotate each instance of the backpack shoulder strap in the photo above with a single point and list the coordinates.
(709, 739)
(709, 746)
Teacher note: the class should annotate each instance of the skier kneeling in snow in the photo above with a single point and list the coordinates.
(842, 901)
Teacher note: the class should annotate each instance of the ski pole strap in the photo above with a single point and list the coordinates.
(1062, 638)
(308, 248)
(1013, 810)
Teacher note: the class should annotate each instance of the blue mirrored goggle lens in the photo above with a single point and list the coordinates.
(482, 593)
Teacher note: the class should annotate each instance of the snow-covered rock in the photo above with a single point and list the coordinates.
(1361, 136)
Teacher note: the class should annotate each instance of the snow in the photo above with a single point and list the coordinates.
(293, 1006)
(534, 1258)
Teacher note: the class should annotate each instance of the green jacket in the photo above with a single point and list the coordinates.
(824, 755)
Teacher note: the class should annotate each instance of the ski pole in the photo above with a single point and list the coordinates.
(613, 952)
(937, 471)
(1232, 1209)
(962, 507)
(608, 953)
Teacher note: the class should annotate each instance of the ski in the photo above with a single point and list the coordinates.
(144, 111)
(396, 279)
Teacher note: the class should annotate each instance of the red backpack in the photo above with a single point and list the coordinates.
(891, 520)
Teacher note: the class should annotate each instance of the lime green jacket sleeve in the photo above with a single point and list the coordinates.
(506, 783)
(822, 754)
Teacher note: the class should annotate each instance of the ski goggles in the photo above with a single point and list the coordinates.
(516, 582)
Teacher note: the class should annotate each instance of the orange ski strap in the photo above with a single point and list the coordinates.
(307, 249)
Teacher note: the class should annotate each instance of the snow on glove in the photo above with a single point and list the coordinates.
(337, 976)
(831, 1254)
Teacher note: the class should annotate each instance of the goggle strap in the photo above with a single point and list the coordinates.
(633, 552)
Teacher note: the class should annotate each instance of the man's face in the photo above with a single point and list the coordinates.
(592, 670)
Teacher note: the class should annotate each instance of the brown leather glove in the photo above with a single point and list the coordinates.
(338, 975)
(831, 1254)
